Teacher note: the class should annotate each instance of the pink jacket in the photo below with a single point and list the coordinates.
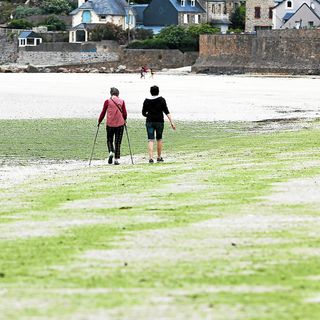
(114, 116)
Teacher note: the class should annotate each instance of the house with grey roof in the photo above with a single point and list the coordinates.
(29, 39)
(290, 14)
(138, 10)
(91, 13)
(173, 12)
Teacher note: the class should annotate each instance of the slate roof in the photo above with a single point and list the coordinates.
(187, 8)
(28, 34)
(104, 7)
(304, 4)
(86, 26)
(281, 2)
(138, 10)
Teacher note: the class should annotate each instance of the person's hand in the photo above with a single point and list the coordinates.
(173, 126)
(98, 124)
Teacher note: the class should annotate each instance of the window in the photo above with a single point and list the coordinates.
(270, 13)
(30, 41)
(289, 4)
(197, 18)
(257, 12)
(310, 24)
(185, 18)
(86, 16)
(183, 3)
(103, 18)
(193, 3)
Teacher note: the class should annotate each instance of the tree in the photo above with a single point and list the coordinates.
(142, 34)
(108, 31)
(204, 28)
(56, 6)
(173, 35)
(238, 18)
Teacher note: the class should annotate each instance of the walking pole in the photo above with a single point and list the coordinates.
(125, 126)
(94, 142)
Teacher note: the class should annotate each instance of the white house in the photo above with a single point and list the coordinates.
(289, 14)
(29, 39)
(91, 13)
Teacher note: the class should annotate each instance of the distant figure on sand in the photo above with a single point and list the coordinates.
(143, 72)
(153, 109)
(116, 120)
(151, 73)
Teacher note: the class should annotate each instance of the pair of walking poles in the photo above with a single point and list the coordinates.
(95, 139)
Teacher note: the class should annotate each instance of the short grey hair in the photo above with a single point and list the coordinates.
(114, 91)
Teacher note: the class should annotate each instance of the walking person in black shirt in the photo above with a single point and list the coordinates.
(153, 109)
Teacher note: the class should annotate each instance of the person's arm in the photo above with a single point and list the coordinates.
(144, 109)
(173, 126)
(103, 112)
(167, 113)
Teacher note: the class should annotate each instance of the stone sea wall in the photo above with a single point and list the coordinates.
(275, 51)
(107, 52)
(8, 47)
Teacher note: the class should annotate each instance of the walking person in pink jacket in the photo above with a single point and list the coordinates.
(115, 109)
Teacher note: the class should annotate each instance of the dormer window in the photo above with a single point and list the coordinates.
(193, 3)
(289, 4)
(183, 3)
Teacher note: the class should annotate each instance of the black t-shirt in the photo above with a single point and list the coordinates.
(153, 109)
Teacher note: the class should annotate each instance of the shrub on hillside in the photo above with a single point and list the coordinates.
(6, 8)
(142, 34)
(23, 11)
(56, 6)
(176, 37)
(205, 28)
(173, 35)
(148, 44)
(53, 23)
(20, 24)
(108, 31)
(230, 31)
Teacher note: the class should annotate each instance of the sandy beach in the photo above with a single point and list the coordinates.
(189, 97)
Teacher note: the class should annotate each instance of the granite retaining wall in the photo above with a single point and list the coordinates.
(274, 51)
(8, 47)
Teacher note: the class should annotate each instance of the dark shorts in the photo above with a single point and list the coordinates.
(154, 127)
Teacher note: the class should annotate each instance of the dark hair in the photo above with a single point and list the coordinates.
(154, 90)
(114, 91)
